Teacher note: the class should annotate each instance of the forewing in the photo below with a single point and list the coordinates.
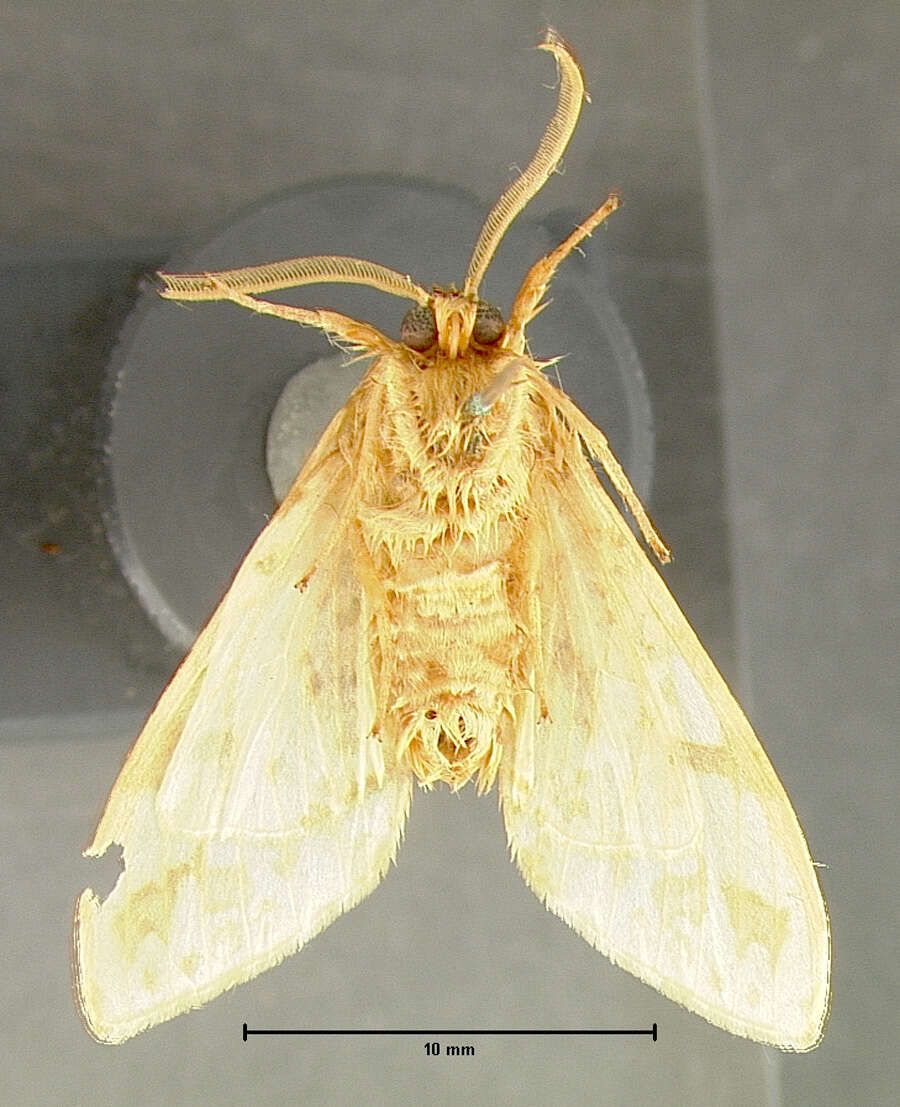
(644, 810)
(255, 806)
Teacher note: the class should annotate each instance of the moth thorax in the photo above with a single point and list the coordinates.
(450, 739)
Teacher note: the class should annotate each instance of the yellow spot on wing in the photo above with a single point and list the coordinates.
(707, 759)
(270, 563)
(684, 895)
(189, 964)
(754, 919)
(149, 911)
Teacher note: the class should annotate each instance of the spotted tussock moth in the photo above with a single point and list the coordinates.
(448, 592)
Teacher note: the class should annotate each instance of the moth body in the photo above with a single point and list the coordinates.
(442, 519)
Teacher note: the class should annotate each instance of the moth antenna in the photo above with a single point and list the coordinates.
(553, 143)
(316, 269)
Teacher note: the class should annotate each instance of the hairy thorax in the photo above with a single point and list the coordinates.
(442, 525)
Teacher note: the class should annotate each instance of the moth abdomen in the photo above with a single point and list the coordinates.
(451, 669)
(451, 737)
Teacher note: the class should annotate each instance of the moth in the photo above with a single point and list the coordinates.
(446, 593)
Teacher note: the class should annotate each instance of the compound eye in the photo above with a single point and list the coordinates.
(418, 329)
(489, 324)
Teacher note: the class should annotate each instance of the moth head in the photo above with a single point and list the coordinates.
(452, 322)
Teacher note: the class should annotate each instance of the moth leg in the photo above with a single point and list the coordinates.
(375, 593)
(481, 402)
(528, 299)
(535, 556)
(363, 463)
(598, 447)
(360, 336)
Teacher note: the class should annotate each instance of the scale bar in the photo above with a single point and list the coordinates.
(652, 1033)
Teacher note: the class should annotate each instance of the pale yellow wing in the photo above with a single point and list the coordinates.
(644, 811)
(255, 806)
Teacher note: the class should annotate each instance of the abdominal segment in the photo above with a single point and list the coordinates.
(452, 670)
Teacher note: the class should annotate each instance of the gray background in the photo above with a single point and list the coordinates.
(754, 262)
